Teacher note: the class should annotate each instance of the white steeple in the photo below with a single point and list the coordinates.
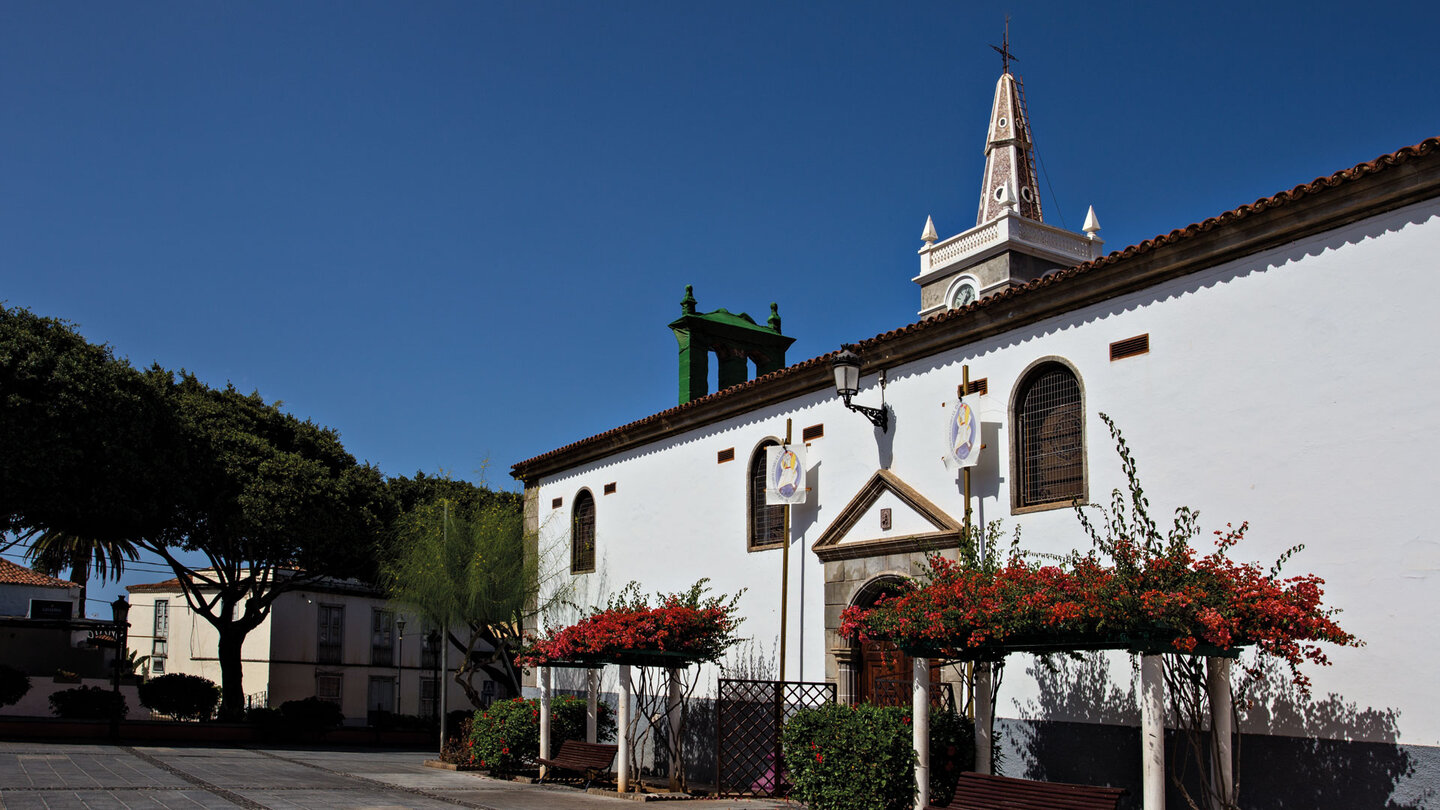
(929, 235)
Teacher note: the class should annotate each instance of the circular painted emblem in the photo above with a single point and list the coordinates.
(964, 431)
(786, 474)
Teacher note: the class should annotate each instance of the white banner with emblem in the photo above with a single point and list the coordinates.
(785, 475)
(962, 434)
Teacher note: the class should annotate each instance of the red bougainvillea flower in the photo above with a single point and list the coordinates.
(701, 627)
(1163, 595)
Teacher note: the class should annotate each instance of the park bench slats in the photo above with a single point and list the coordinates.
(589, 759)
(976, 791)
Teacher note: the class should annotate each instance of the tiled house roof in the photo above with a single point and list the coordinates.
(12, 574)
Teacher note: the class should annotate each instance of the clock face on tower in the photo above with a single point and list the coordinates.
(964, 295)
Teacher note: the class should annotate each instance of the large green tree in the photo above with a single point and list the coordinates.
(87, 443)
(462, 564)
(94, 449)
(276, 504)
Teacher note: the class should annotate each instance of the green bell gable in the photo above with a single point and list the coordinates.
(736, 340)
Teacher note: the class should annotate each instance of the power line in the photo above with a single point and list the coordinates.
(142, 566)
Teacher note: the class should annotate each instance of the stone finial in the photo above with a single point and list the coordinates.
(929, 236)
(687, 304)
(1092, 223)
(774, 320)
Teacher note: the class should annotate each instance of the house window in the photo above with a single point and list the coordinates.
(382, 638)
(1049, 438)
(327, 687)
(160, 647)
(328, 647)
(381, 700)
(428, 704)
(582, 534)
(766, 523)
(430, 650)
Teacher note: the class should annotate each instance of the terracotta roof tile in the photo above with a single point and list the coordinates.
(12, 574)
(172, 584)
(1317, 186)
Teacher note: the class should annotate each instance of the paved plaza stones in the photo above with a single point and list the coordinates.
(69, 776)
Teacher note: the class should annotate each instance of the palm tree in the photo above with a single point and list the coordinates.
(53, 551)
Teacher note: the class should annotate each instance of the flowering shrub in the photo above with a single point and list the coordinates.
(1134, 589)
(699, 627)
(862, 757)
(507, 735)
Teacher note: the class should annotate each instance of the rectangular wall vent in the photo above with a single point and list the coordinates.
(980, 386)
(728, 454)
(812, 433)
(555, 504)
(1129, 347)
(610, 488)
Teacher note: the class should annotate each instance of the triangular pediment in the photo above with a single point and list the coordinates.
(915, 523)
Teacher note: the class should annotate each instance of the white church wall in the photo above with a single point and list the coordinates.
(1290, 389)
(655, 530)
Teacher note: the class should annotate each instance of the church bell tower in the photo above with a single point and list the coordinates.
(1010, 244)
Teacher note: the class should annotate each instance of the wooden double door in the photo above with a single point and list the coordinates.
(886, 675)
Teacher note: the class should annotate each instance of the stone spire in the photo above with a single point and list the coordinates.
(1009, 155)
(1010, 244)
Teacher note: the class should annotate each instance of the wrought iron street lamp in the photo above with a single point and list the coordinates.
(846, 366)
(120, 613)
(399, 660)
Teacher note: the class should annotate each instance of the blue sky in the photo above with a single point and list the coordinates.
(455, 232)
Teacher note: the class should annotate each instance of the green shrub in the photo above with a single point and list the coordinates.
(184, 697)
(13, 685)
(311, 714)
(507, 734)
(88, 703)
(863, 757)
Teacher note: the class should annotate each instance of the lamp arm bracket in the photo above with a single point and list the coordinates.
(879, 417)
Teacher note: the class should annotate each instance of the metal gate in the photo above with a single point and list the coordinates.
(748, 718)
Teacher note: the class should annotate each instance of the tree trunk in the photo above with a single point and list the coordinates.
(232, 688)
(80, 575)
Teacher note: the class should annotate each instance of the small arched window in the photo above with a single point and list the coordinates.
(1049, 438)
(765, 523)
(582, 533)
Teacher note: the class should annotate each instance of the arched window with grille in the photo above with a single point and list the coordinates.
(582, 533)
(1048, 438)
(765, 524)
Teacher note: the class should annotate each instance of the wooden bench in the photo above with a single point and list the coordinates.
(977, 791)
(586, 758)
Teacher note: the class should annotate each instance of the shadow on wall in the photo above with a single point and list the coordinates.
(1083, 728)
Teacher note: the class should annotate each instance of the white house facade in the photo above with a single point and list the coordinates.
(1276, 364)
(341, 641)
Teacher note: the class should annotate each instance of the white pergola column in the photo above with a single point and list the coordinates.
(984, 717)
(622, 771)
(1222, 728)
(672, 717)
(592, 705)
(1152, 731)
(544, 718)
(920, 721)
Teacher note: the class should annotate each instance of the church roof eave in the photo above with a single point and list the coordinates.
(1406, 176)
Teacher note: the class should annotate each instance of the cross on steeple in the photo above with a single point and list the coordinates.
(1004, 48)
